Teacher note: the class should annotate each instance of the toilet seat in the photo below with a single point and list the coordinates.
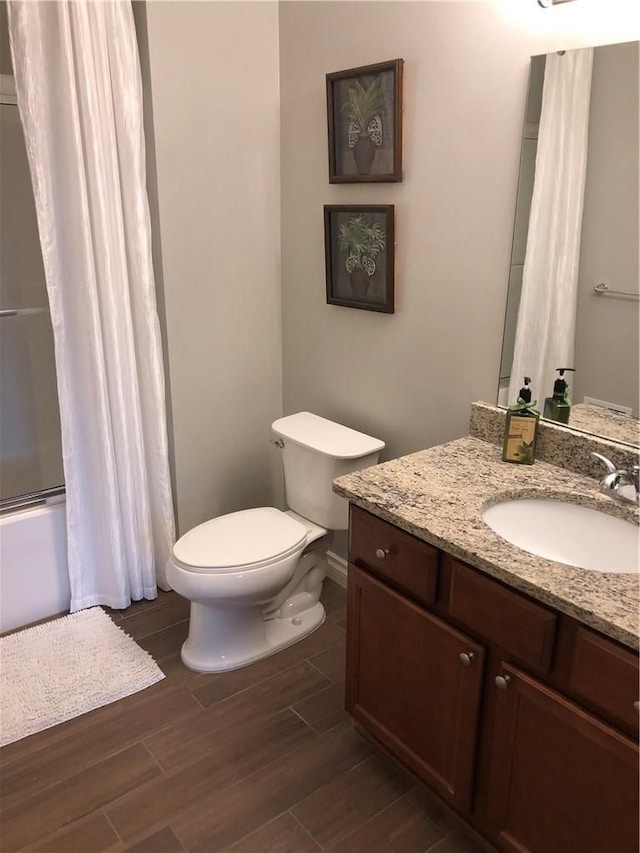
(249, 539)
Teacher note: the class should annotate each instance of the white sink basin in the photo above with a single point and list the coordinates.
(567, 533)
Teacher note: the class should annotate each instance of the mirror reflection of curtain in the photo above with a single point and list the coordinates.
(545, 335)
(80, 97)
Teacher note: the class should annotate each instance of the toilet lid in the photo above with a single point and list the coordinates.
(239, 539)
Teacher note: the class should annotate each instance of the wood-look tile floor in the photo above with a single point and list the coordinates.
(260, 759)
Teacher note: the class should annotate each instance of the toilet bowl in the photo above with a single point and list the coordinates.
(254, 577)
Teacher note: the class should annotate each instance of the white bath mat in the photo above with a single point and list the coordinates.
(61, 669)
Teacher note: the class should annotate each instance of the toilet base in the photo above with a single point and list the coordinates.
(222, 638)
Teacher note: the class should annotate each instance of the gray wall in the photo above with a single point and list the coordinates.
(236, 104)
(409, 378)
(607, 327)
(211, 86)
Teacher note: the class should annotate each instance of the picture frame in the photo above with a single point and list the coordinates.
(359, 244)
(370, 96)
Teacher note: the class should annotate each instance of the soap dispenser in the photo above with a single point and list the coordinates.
(558, 407)
(521, 429)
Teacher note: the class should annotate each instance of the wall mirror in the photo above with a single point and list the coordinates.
(605, 242)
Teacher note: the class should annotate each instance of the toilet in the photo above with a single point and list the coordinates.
(254, 577)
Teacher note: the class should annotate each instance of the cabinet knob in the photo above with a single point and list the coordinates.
(502, 681)
(466, 658)
(382, 553)
(636, 706)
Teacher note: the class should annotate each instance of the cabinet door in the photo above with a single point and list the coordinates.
(414, 683)
(561, 780)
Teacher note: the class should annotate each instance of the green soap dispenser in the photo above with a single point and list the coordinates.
(558, 407)
(521, 429)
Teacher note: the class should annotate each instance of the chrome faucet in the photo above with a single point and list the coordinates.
(616, 481)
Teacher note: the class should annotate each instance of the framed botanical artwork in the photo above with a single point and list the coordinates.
(364, 113)
(359, 255)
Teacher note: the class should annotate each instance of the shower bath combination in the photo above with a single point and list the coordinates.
(33, 550)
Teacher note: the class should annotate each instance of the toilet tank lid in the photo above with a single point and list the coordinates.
(326, 437)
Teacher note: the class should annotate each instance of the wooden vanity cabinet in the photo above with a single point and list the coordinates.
(414, 683)
(604, 676)
(560, 778)
(523, 719)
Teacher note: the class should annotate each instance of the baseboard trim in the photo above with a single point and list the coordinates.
(337, 569)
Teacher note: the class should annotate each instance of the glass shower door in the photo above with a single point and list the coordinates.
(30, 447)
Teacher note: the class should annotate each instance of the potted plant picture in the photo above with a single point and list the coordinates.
(365, 108)
(361, 240)
(364, 122)
(359, 243)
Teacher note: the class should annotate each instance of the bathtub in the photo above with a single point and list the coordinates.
(34, 581)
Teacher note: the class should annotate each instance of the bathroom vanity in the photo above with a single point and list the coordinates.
(505, 682)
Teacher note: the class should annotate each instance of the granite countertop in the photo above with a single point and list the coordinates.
(438, 495)
(614, 425)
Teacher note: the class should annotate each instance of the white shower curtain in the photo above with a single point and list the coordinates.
(80, 98)
(545, 333)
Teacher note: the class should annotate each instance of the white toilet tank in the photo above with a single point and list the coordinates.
(315, 452)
